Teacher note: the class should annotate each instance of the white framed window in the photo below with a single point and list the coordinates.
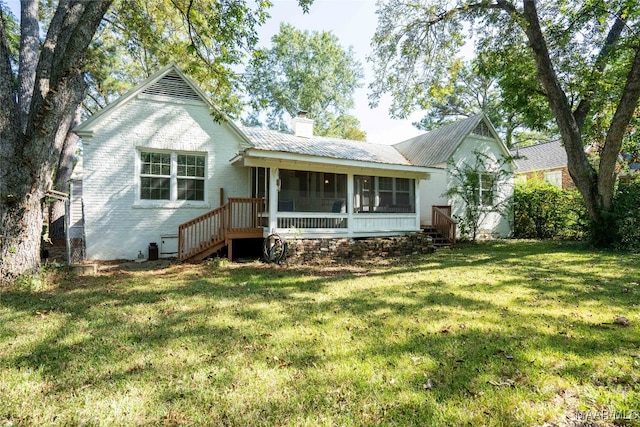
(166, 176)
(155, 176)
(486, 187)
(554, 178)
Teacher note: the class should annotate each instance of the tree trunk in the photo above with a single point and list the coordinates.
(28, 61)
(61, 182)
(596, 188)
(21, 228)
(29, 157)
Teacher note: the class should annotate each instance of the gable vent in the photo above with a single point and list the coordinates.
(483, 130)
(173, 86)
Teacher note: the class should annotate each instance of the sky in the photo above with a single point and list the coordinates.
(353, 22)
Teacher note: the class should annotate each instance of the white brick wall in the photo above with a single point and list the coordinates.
(116, 226)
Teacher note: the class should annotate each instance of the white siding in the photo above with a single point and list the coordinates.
(76, 220)
(494, 225)
(116, 226)
(431, 194)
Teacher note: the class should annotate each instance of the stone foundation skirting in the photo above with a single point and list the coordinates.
(310, 250)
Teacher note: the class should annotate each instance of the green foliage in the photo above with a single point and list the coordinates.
(417, 45)
(543, 211)
(206, 38)
(627, 215)
(12, 32)
(578, 62)
(476, 88)
(306, 71)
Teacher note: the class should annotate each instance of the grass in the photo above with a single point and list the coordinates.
(514, 333)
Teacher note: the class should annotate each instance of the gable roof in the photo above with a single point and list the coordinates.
(270, 140)
(169, 83)
(437, 146)
(548, 155)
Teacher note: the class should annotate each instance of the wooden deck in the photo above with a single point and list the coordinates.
(239, 218)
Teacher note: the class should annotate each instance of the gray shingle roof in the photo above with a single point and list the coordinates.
(437, 146)
(549, 155)
(266, 139)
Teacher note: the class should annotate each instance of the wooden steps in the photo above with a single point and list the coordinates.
(439, 241)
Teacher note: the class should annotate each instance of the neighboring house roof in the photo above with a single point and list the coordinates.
(270, 140)
(437, 146)
(548, 155)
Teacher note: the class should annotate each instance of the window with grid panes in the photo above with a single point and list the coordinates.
(155, 176)
(190, 177)
(172, 176)
(486, 189)
(385, 190)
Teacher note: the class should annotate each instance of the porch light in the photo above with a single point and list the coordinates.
(326, 181)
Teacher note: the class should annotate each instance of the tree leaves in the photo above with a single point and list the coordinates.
(576, 61)
(307, 71)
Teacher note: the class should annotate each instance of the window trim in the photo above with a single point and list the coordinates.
(481, 189)
(173, 201)
(553, 177)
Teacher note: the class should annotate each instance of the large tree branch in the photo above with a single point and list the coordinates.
(28, 59)
(579, 168)
(9, 117)
(85, 25)
(70, 32)
(443, 16)
(599, 65)
(621, 118)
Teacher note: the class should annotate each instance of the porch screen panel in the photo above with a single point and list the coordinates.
(306, 191)
(377, 194)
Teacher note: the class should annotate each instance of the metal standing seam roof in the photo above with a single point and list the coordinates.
(270, 140)
(548, 155)
(437, 146)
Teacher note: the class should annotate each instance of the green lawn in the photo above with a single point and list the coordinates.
(507, 333)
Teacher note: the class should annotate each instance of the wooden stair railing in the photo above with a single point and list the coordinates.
(443, 223)
(207, 233)
(244, 216)
(202, 233)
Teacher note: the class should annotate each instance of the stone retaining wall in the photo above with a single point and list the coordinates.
(309, 250)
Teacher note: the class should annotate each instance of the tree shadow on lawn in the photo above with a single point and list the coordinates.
(290, 320)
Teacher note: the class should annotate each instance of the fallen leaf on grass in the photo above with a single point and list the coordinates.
(505, 354)
(622, 321)
(505, 383)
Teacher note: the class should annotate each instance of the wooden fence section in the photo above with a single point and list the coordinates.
(443, 223)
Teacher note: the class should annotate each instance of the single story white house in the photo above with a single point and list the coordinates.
(157, 168)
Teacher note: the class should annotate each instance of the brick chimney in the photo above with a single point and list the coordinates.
(302, 126)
